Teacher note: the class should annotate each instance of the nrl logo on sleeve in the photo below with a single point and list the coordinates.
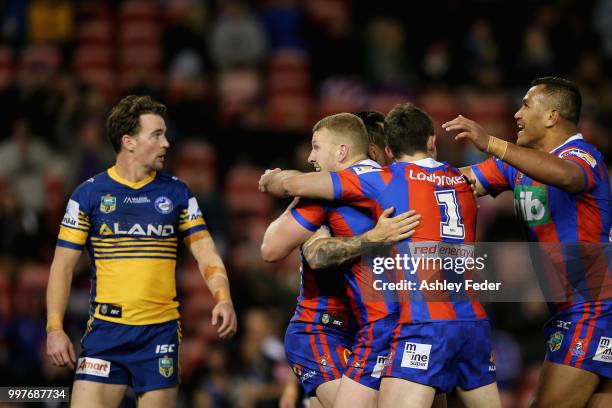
(71, 218)
(581, 154)
(365, 169)
(108, 203)
(166, 366)
(193, 210)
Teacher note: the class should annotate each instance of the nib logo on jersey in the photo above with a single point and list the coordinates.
(416, 355)
(532, 204)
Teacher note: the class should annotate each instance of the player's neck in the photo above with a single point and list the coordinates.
(130, 171)
(413, 157)
(555, 139)
(354, 160)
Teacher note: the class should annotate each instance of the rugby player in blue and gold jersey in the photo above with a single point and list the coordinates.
(130, 219)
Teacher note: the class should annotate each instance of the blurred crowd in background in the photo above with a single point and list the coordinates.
(244, 81)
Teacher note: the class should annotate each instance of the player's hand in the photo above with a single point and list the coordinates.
(265, 178)
(394, 229)
(289, 397)
(472, 181)
(60, 349)
(468, 129)
(224, 313)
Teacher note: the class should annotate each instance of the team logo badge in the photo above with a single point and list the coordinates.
(325, 318)
(578, 348)
(554, 343)
(104, 309)
(581, 154)
(492, 367)
(108, 203)
(166, 366)
(164, 205)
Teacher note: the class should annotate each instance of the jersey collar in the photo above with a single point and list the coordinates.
(112, 173)
(577, 136)
(367, 162)
(427, 162)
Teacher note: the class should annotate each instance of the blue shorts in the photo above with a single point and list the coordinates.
(581, 337)
(316, 353)
(144, 357)
(370, 352)
(443, 355)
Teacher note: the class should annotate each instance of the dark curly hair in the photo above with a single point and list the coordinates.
(124, 118)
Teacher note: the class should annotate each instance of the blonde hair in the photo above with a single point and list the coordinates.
(349, 128)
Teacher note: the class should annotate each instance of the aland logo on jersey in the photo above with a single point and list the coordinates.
(147, 230)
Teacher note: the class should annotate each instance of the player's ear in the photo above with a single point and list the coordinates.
(343, 152)
(372, 152)
(127, 142)
(552, 118)
(389, 153)
(431, 146)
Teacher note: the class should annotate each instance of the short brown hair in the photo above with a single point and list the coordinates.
(347, 126)
(124, 118)
(407, 129)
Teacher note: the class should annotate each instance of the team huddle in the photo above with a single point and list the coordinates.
(377, 185)
(349, 348)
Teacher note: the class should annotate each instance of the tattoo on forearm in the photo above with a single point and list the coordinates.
(327, 252)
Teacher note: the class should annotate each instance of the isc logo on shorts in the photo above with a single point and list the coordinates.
(604, 350)
(93, 366)
(416, 355)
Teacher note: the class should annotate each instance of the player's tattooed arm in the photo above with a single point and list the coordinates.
(321, 252)
(327, 252)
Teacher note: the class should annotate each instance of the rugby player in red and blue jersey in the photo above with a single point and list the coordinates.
(562, 194)
(320, 336)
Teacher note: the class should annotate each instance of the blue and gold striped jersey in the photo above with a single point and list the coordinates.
(131, 231)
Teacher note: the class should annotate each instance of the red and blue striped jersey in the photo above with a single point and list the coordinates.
(445, 200)
(552, 215)
(333, 290)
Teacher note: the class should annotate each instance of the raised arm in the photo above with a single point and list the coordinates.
(213, 270)
(59, 347)
(292, 183)
(323, 252)
(540, 166)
